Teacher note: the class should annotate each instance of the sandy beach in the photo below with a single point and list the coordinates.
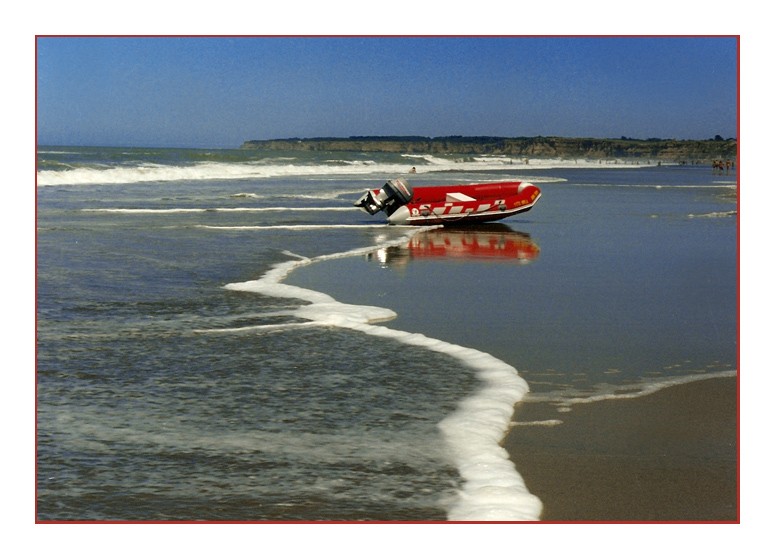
(669, 456)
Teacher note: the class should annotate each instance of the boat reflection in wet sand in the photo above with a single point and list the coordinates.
(495, 241)
(433, 205)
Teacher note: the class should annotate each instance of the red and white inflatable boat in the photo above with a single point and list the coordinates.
(433, 205)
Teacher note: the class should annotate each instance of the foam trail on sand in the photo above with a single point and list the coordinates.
(623, 392)
(492, 488)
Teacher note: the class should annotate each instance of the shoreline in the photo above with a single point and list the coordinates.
(667, 456)
(670, 456)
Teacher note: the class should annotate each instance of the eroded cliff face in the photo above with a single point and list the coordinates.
(668, 150)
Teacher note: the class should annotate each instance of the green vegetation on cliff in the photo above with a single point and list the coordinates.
(540, 146)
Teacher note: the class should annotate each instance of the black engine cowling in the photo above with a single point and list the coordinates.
(389, 198)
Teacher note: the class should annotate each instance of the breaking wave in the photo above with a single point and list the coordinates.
(143, 172)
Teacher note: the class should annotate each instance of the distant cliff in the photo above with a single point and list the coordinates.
(540, 146)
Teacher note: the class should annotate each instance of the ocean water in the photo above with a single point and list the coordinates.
(222, 336)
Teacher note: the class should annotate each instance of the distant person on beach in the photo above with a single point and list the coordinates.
(413, 170)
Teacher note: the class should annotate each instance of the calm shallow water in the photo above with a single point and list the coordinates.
(624, 282)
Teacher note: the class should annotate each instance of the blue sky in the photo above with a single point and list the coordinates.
(220, 91)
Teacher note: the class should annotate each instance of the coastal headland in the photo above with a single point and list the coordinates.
(540, 146)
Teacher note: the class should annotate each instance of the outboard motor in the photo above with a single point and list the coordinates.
(389, 198)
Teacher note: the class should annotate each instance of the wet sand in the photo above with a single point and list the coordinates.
(669, 456)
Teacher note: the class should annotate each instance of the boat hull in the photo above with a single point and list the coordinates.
(466, 204)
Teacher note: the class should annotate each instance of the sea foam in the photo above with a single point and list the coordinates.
(492, 489)
(252, 170)
(564, 400)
